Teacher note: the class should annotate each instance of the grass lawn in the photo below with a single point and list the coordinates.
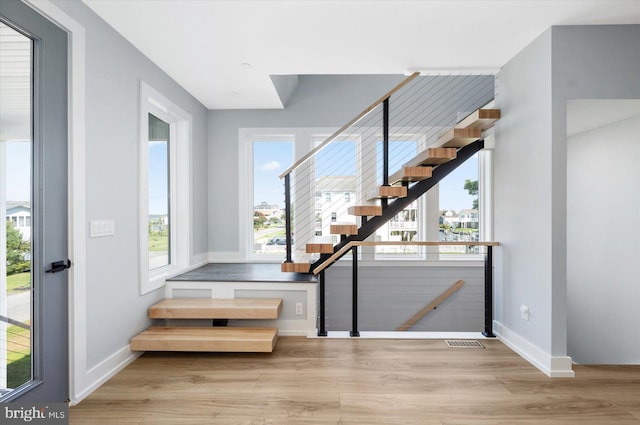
(158, 242)
(18, 356)
(19, 282)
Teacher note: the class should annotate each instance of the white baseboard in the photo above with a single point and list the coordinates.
(552, 366)
(105, 370)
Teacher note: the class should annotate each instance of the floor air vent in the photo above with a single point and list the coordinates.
(463, 343)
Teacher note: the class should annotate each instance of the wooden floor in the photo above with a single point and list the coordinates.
(367, 382)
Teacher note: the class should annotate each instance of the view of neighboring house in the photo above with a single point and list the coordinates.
(19, 213)
(268, 210)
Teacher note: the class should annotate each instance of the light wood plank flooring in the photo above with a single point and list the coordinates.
(365, 382)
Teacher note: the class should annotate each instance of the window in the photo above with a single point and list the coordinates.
(158, 178)
(406, 225)
(334, 172)
(270, 157)
(165, 189)
(459, 219)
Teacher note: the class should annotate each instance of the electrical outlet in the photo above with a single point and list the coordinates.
(298, 309)
(524, 312)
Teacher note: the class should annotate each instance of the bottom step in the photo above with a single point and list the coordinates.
(196, 338)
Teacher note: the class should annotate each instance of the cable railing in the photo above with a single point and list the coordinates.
(354, 246)
(344, 166)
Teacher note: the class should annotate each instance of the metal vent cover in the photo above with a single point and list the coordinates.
(463, 343)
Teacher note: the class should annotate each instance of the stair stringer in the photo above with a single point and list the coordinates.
(414, 192)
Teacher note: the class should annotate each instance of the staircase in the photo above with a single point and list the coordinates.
(406, 185)
(215, 338)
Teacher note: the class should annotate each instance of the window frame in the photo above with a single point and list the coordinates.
(180, 123)
(246, 155)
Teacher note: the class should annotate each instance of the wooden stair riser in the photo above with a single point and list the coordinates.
(482, 119)
(295, 267)
(459, 137)
(387, 192)
(343, 229)
(433, 156)
(206, 339)
(411, 174)
(365, 210)
(206, 308)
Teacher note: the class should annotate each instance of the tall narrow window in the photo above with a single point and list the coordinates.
(405, 226)
(158, 174)
(165, 188)
(335, 175)
(459, 213)
(270, 158)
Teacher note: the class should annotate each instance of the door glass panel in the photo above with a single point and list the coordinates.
(15, 209)
(158, 169)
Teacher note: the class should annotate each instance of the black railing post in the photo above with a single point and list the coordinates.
(322, 331)
(488, 294)
(354, 294)
(287, 214)
(385, 148)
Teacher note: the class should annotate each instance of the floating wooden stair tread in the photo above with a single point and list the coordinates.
(365, 210)
(482, 119)
(411, 174)
(295, 267)
(209, 339)
(387, 192)
(207, 308)
(459, 137)
(433, 156)
(343, 229)
(320, 245)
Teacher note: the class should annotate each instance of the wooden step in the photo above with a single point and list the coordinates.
(459, 137)
(343, 229)
(365, 210)
(295, 267)
(320, 245)
(482, 119)
(433, 156)
(387, 192)
(212, 339)
(410, 174)
(208, 308)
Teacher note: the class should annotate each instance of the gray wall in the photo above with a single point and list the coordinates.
(573, 62)
(114, 68)
(602, 244)
(389, 296)
(318, 101)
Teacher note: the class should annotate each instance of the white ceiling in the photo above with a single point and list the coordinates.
(223, 52)
(586, 115)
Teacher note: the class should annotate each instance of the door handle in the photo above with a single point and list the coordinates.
(58, 266)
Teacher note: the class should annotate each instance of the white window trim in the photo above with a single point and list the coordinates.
(246, 176)
(151, 101)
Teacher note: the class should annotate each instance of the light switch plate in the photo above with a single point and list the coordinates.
(101, 228)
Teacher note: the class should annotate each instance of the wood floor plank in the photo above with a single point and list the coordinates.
(360, 382)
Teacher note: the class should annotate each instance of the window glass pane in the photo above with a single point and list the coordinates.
(16, 283)
(270, 158)
(158, 178)
(459, 218)
(404, 226)
(335, 177)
